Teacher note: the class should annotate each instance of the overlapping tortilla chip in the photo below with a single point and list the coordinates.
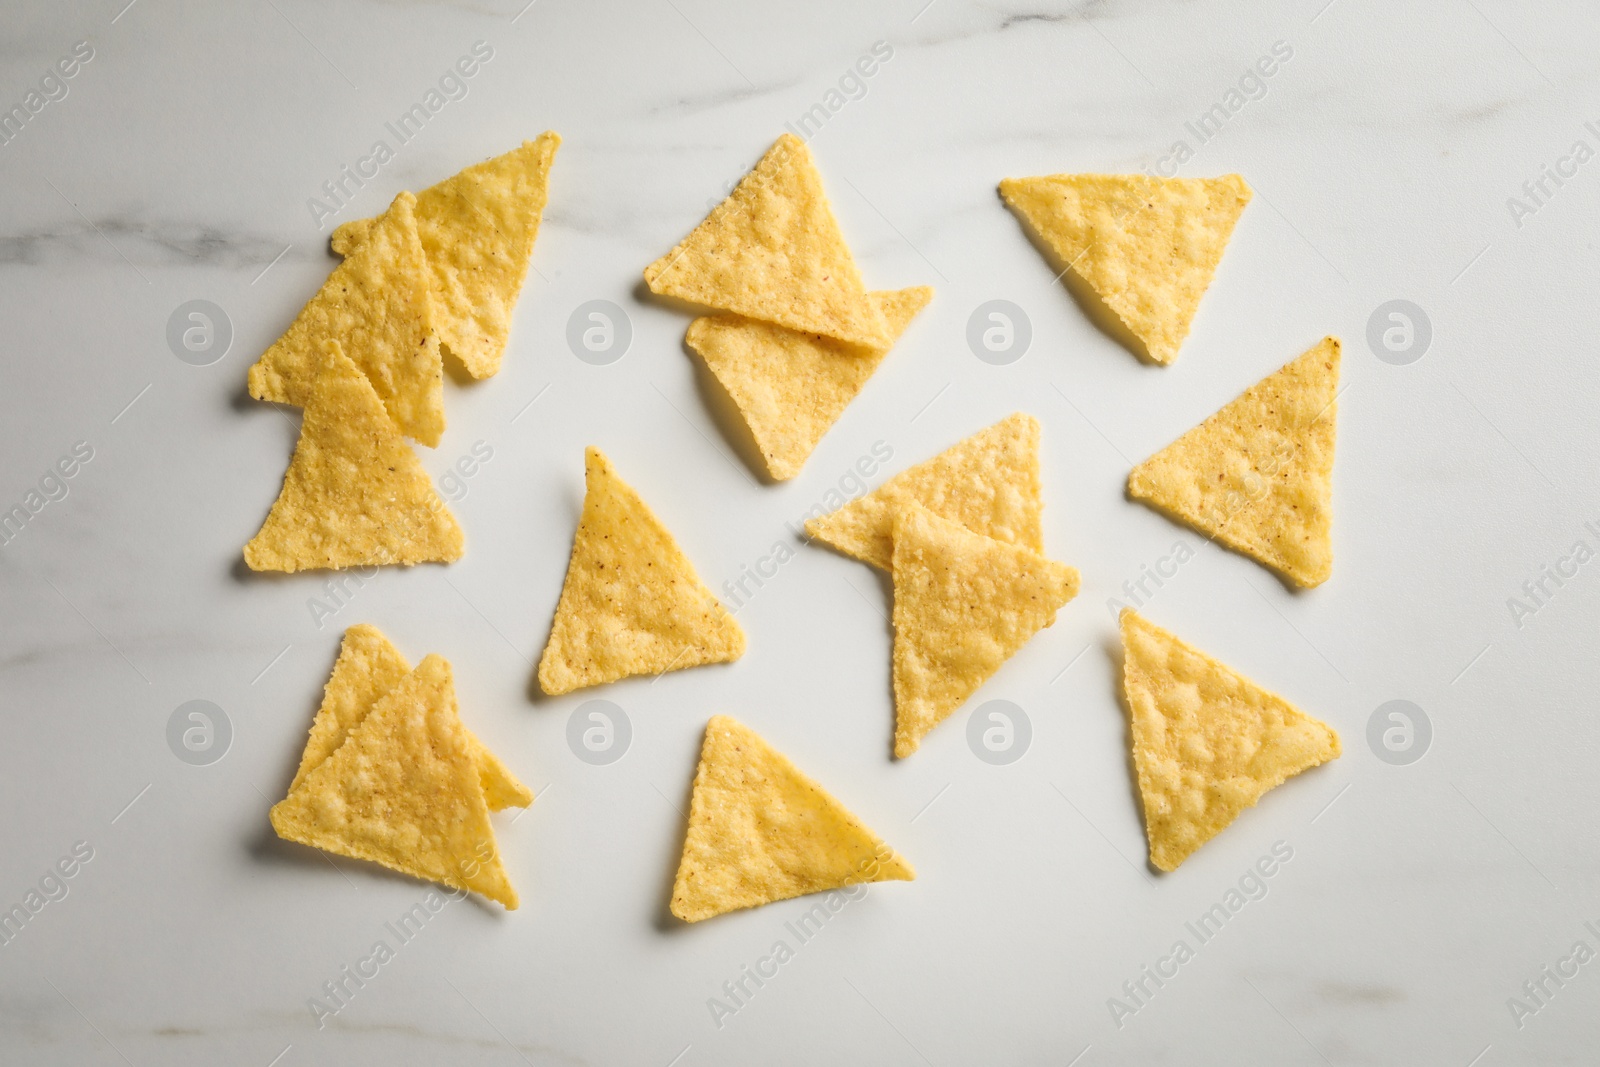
(632, 602)
(1207, 742)
(1148, 246)
(354, 494)
(1258, 475)
(477, 230)
(405, 791)
(963, 605)
(791, 387)
(368, 667)
(760, 831)
(988, 483)
(376, 306)
(772, 251)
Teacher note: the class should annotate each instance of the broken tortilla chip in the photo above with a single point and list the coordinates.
(760, 831)
(404, 791)
(632, 602)
(1207, 742)
(963, 605)
(1258, 475)
(772, 251)
(368, 667)
(477, 231)
(791, 387)
(376, 306)
(988, 483)
(1147, 246)
(355, 494)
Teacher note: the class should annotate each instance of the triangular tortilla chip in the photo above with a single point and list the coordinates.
(772, 251)
(760, 831)
(376, 305)
(477, 231)
(1207, 742)
(988, 483)
(368, 667)
(404, 791)
(791, 387)
(963, 605)
(1258, 475)
(1148, 246)
(632, 602)
(354, 494)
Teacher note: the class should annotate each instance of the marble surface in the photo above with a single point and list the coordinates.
(1396, 153)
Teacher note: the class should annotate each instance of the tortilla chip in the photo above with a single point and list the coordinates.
(963, 605)
(772, 251)
(1258, 475)
(792, 387)
(477, 231)
(369, 667)
(632, 602)
(1207, 742)
(376, 305)
(988, 483)
(404, 791)
(1148, 246)
(354, 495)
(760, 831)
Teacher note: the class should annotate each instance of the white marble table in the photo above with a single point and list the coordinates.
(1386, 150)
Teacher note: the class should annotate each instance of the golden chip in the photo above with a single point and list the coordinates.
(760, 831)
(988, 483)
(376, 306)
(404, 791)
(354, 494)
(369, 667)
(1207, 742)
(477, 231)
(1258, 475)
(791, 387)
(632, 602)
(1147, 246)
(963, 605)
(772, 251)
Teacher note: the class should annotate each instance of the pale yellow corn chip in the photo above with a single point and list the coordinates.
(354, 494)
(791, 387)
(477, 231)
(376, 306)
(1148, 246)
(1258, 475)
(404, 791)
(963, 605)
(760, 831)
(632, 602)
(1207, 742)
(988, 483)
(368, 667)
(772, 251)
